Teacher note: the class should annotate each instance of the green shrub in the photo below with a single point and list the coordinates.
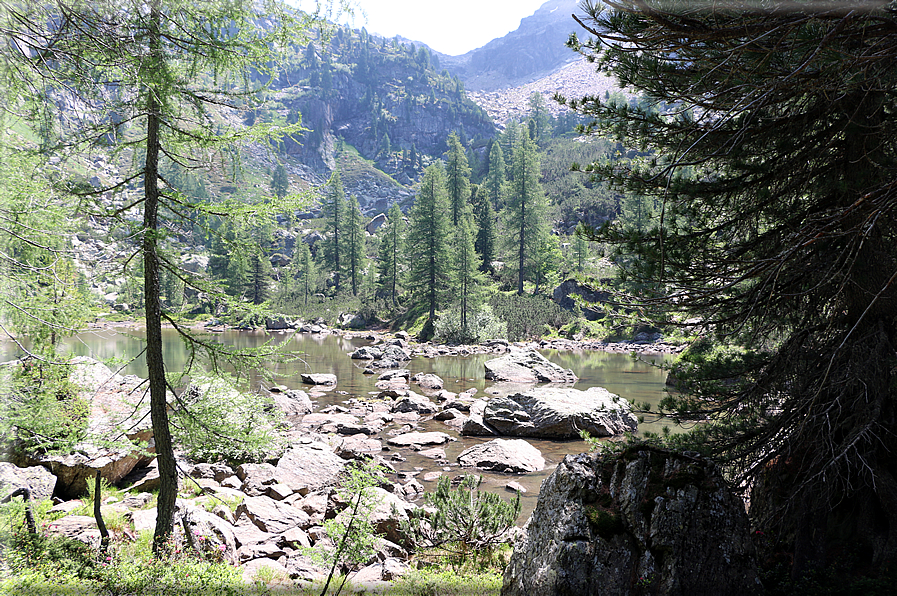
(481, 324)
(527, 316)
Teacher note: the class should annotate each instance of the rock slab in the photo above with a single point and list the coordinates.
(607, 525)
(503, 455)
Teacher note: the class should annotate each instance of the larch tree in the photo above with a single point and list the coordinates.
(484, 224)
(457, 174)
(353, 238)
(526, 214)
(146, 77)
(391, 254)
(427, 246)
(497, 177)
(467, 278)
(333, 211)
(775, 174)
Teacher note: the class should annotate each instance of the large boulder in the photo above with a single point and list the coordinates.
(503, 455)
(527, 366)
(118, 419)
(559, 413)
(646, 521)
(37, 479)
(309, 467)
(292, 402)
(563, 296)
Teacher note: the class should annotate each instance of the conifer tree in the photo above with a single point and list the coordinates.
(776, 179)
(484, 220)
(390, 255)
(428, 245)
(333, 211)
(304, 272)
(457, 173)
(527, 212)
(280, 182)
(467, 278)
(496, 178)
(354, 244)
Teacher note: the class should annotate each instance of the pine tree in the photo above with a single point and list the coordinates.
(527, 212)
(280, 182)
(333, 211)
(390, 255)
(259, 279)
(776, 178)
(580, 252)
(484, 220)
(354, 236)
(428, 246)
(304, 272)
(497, 177)
(466, 276)
(457, 174)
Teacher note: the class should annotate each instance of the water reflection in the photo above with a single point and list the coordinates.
(636, 380)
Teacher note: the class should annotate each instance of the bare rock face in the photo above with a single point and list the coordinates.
(647, 521)
(503, 455)
(558, 413)
(527, 366)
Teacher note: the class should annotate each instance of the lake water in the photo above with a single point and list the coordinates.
(636, 380)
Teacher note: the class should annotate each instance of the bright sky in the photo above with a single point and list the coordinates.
(452, 27)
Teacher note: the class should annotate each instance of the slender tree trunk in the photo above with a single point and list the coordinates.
(155, 366)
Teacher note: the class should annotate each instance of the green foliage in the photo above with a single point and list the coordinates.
(333, 210)
(280, 182)
(528, 316)
(427, 246)
(447, 582)
(40, 410)
(466, 521)
(526, 215)
(457, 174)
(481, 324)
(390, 255)
(354, 237)
(353, 534)
(213, 420)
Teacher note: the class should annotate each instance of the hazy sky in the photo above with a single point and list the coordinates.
(449, 26)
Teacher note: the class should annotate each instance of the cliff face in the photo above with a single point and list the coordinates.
(533, 50)
(382, 97)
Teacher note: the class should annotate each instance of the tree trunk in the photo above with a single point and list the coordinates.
(156, 369)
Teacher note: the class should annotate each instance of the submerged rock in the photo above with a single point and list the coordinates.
(613, 525)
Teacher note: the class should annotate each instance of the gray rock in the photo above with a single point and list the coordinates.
(474, 425)
(412, 402)
(318, 379)
(559, 413)
(602, 523)
(428, 381)
(394, 375)
(208, 534)
(375, 223)
(37, 479)
(307, 468)
(366, 353)
(398, 353)
(410, 439)
(293, 402)
(272, 516)
(503, 455)
(527, 366)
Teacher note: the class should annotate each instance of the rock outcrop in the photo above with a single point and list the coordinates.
(554, 413)
(646, 521)
(527, 366)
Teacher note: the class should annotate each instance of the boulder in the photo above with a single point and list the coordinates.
(474, 425)
(559, 413)
(279, 324)
(428, 381)
(318, 379)
(411, 439)
(37, 479)
(292, 402)
(116, 406)
(503, 455)
(399, 374)
(527, 366)
(563, 292)
(307, 468)
(412, 402)
(272, 516)
(208, 534)
(375, 223)
(614, 524)
(366, 353)
(398, 353)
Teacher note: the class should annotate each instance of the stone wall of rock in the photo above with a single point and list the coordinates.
(646, 521)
